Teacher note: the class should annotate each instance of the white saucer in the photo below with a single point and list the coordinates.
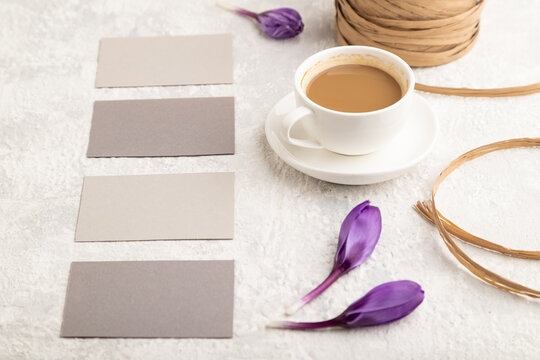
(406, 150)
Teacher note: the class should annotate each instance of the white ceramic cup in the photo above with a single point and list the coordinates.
(344, 132)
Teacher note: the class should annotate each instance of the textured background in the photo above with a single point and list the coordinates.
(286, 222)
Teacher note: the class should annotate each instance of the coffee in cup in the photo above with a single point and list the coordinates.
(354, 88)
(351, 100)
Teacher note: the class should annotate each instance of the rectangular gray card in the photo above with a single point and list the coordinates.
(166, 60)
(156, 207)
(148, 299)
(162, 127)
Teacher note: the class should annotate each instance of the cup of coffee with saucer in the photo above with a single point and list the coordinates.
(353, 118)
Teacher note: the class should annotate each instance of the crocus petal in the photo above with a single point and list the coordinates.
(349, 219)
(278, 23)
(358, 236)
(361, 239)
(281, 23)
(383, 304)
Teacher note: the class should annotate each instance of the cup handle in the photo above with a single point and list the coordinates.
(292, 118)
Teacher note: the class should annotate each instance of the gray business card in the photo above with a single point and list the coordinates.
(150, 299)
(165, 60)
(156, 207)
(162, 127)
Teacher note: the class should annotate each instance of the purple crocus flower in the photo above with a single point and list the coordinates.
(279, 23)
(384, 304)
(358, 236)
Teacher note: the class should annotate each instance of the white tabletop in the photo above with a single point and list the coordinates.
(286, 222)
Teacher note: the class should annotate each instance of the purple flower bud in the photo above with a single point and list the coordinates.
(279, 23)
(384, 304)
(358, 237)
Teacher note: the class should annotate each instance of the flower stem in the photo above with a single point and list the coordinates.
(300, 325)
(236, 9)
(333, 276)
